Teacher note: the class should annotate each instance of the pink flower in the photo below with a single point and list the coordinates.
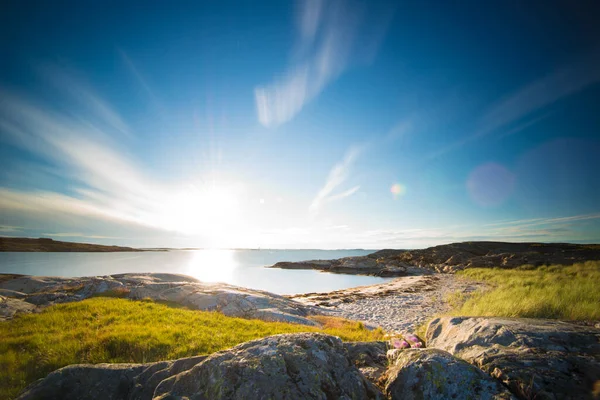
(414, 341)
(399, 344)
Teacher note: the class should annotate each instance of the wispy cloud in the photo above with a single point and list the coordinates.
(563, 229)
(103, 181)
(8, 228)
(523, 105)
(337, 176)
(546, 221)
(327, 33)
(152, 97)
(82, 94)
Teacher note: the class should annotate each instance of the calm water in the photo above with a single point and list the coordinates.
(237, 267)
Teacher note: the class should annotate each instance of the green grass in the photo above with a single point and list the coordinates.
(556, 292)
(104, 329)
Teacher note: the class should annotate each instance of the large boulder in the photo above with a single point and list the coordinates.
(541, 359)
(292, 366)
(436, 374)
(92, 382)
(9, 307)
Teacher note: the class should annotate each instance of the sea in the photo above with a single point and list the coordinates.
(237, 267)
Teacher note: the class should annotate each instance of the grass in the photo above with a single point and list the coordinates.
(556, 292)
(105, 329)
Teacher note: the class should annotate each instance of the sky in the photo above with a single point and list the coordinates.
(312, 124)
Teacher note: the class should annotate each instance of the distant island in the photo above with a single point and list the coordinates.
(50, 245)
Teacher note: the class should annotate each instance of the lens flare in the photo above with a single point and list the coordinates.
(490, 184)
(398, 190)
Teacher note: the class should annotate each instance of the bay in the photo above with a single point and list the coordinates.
(237, 267)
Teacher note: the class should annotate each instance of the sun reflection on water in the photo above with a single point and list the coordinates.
(214, 265)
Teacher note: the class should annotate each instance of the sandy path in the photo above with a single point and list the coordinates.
(399, 305)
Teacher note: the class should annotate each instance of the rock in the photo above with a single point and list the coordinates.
(139, 279)
(187, 291)
(541, 359)
(230, 300)
(359, 262)
(436, 374)
(144, 384)
(46, 299)
(10, 307)
(361, 265)
(92, 382)
(322, 265)
(392, 355)
(12, 293)
(369, 357)
(296, 366)
(453, 257)
(32, 284)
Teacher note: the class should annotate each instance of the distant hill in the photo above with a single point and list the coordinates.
(46, 244)
(456, 256)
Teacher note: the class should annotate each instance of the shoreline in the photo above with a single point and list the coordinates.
(398, 305)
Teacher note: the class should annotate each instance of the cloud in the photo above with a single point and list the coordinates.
(547, 221)
(529, 100)
(553, 229)
(154, 100)
(337, 176)
(9, 228)
(82, 94)
(327, 34)
(99, 178)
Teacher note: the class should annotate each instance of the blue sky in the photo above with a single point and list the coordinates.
(316, 124)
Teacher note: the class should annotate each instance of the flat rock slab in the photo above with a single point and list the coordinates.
(437, 375)
(30, 293)
(541, 359)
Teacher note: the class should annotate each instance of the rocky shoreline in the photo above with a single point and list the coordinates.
(461, 357)
(24, 294)
(465, 358)
(453, 257)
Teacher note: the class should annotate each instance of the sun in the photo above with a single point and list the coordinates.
(205, 210)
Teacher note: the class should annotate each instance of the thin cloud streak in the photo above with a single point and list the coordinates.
(156, 103)
(326, 37)
(83, 94)
(530, 99)
(535, 229)
(337, 176)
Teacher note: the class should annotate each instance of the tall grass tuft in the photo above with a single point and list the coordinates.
(556, 292)
(107, 329)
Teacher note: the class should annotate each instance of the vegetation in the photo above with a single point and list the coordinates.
(105, 329)
(556, 291)
(47, 244)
